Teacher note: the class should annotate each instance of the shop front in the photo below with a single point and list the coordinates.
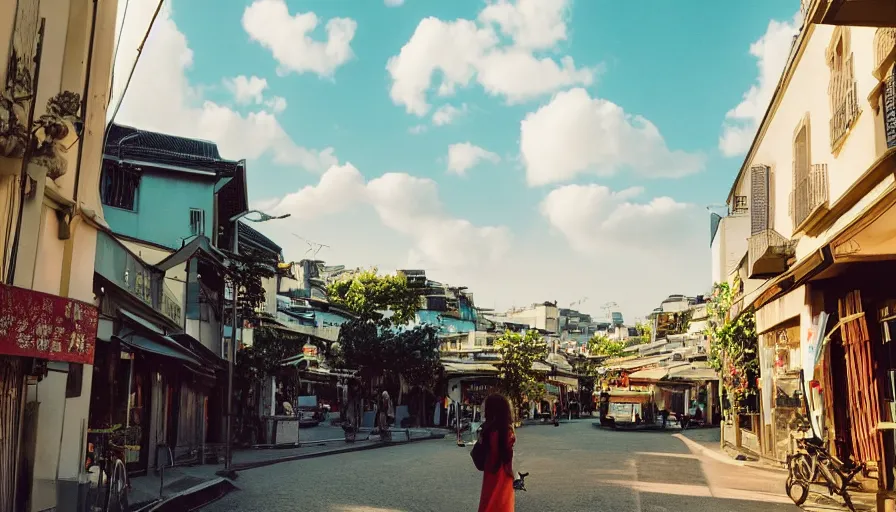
(45, 343)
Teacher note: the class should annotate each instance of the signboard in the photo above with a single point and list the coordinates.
(35, 324)
(475, 392)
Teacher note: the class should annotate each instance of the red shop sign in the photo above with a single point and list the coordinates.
(36, 324)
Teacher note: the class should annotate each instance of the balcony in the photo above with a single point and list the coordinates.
(809, 196)
(843, 119)
(767, 254)
(857, 13)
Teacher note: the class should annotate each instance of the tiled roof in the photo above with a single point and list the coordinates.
(255, 238)
(136, 144)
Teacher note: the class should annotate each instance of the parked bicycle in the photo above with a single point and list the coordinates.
(813, 464)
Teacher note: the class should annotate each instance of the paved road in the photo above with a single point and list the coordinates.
(574, 467)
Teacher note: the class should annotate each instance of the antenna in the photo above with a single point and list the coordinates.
(312, 246)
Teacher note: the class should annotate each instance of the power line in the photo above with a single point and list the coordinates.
(127, 83)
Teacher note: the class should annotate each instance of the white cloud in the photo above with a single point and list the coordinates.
(447, 114)
(394, 3)
(462, 51)
(289, 38)
(595, 218)
(417, 129)
(407, 205)
(771, 52)
(246, 90)
(575, 133)
(277, 104)
(464, 156)
(534, 24)
(161, 98)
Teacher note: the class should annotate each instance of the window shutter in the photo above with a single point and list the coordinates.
(759, 192)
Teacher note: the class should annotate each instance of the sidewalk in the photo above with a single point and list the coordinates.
(708, 442)
(189, 487)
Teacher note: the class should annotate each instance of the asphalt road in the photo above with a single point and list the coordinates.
(574, 467)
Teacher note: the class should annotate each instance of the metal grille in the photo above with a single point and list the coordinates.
(759, 188)
(197, 221)
(890, 109)
(845, 102)
(810, 192)
(119, 186)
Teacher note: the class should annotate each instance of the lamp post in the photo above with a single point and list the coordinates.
(228, 452)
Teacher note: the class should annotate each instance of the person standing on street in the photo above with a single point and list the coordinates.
(498, 436)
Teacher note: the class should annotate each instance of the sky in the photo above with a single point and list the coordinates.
(531, 150)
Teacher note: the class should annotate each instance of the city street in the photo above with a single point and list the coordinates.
(574, 467)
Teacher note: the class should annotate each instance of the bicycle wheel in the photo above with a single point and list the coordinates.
(118, 487)
(797, 490)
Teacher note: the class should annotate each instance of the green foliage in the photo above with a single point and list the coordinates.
(733, 344)
(518, 353)
(412, 353)
(601, 345)
(249, 269)
(368, 295)
(645, 329)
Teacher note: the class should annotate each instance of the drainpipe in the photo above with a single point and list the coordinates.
(84, 97)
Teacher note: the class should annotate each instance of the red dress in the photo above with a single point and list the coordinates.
(497, 488)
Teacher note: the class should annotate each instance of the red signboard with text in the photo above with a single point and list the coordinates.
(36, 324)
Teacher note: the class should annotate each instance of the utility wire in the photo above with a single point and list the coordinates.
(127, 83)
(124, 18)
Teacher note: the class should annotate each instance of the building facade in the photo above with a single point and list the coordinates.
(819, 188)
(55, 67)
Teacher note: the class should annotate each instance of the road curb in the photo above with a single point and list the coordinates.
(709, 452)
(696, 447)
(192, 498)
(262, 463)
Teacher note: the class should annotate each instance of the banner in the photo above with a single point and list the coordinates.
(36, 324)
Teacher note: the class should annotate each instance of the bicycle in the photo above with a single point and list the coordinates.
(812, 462)
(115, 497)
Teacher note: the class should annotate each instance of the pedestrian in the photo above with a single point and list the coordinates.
(498, 437)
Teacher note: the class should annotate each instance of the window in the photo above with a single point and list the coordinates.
(759, 194)
(119, 186)
(842, 86)
(740, 204)
(197, 221)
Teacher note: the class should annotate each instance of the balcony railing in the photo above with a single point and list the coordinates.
(810, 193)
(890, 110)
(767, 254)
(847, 108)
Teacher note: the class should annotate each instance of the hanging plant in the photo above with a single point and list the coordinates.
(733, 345)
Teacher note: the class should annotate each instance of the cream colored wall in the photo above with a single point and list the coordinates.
(807, 94)
(48, 267)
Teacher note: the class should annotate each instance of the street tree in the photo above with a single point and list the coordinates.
(370, 296)
(645, 329)
(518, 353)
(601, 345)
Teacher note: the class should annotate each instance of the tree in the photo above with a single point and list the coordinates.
(645, 329)
(518, 353)
(249, 269)
(601, 345)
(369, 295)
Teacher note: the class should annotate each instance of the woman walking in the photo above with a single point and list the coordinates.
(498, 438)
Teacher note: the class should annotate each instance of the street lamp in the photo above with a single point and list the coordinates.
(262, 217)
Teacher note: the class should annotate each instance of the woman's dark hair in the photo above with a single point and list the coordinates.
(498, 419)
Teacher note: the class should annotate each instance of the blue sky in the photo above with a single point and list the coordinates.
(589, 135)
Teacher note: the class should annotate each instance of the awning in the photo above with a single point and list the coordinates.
(630, 397)
(454, 368)
(158, 346)
(211, 359)
(566, 381)
(639, 362)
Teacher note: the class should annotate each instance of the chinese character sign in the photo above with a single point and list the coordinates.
(35, 324)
